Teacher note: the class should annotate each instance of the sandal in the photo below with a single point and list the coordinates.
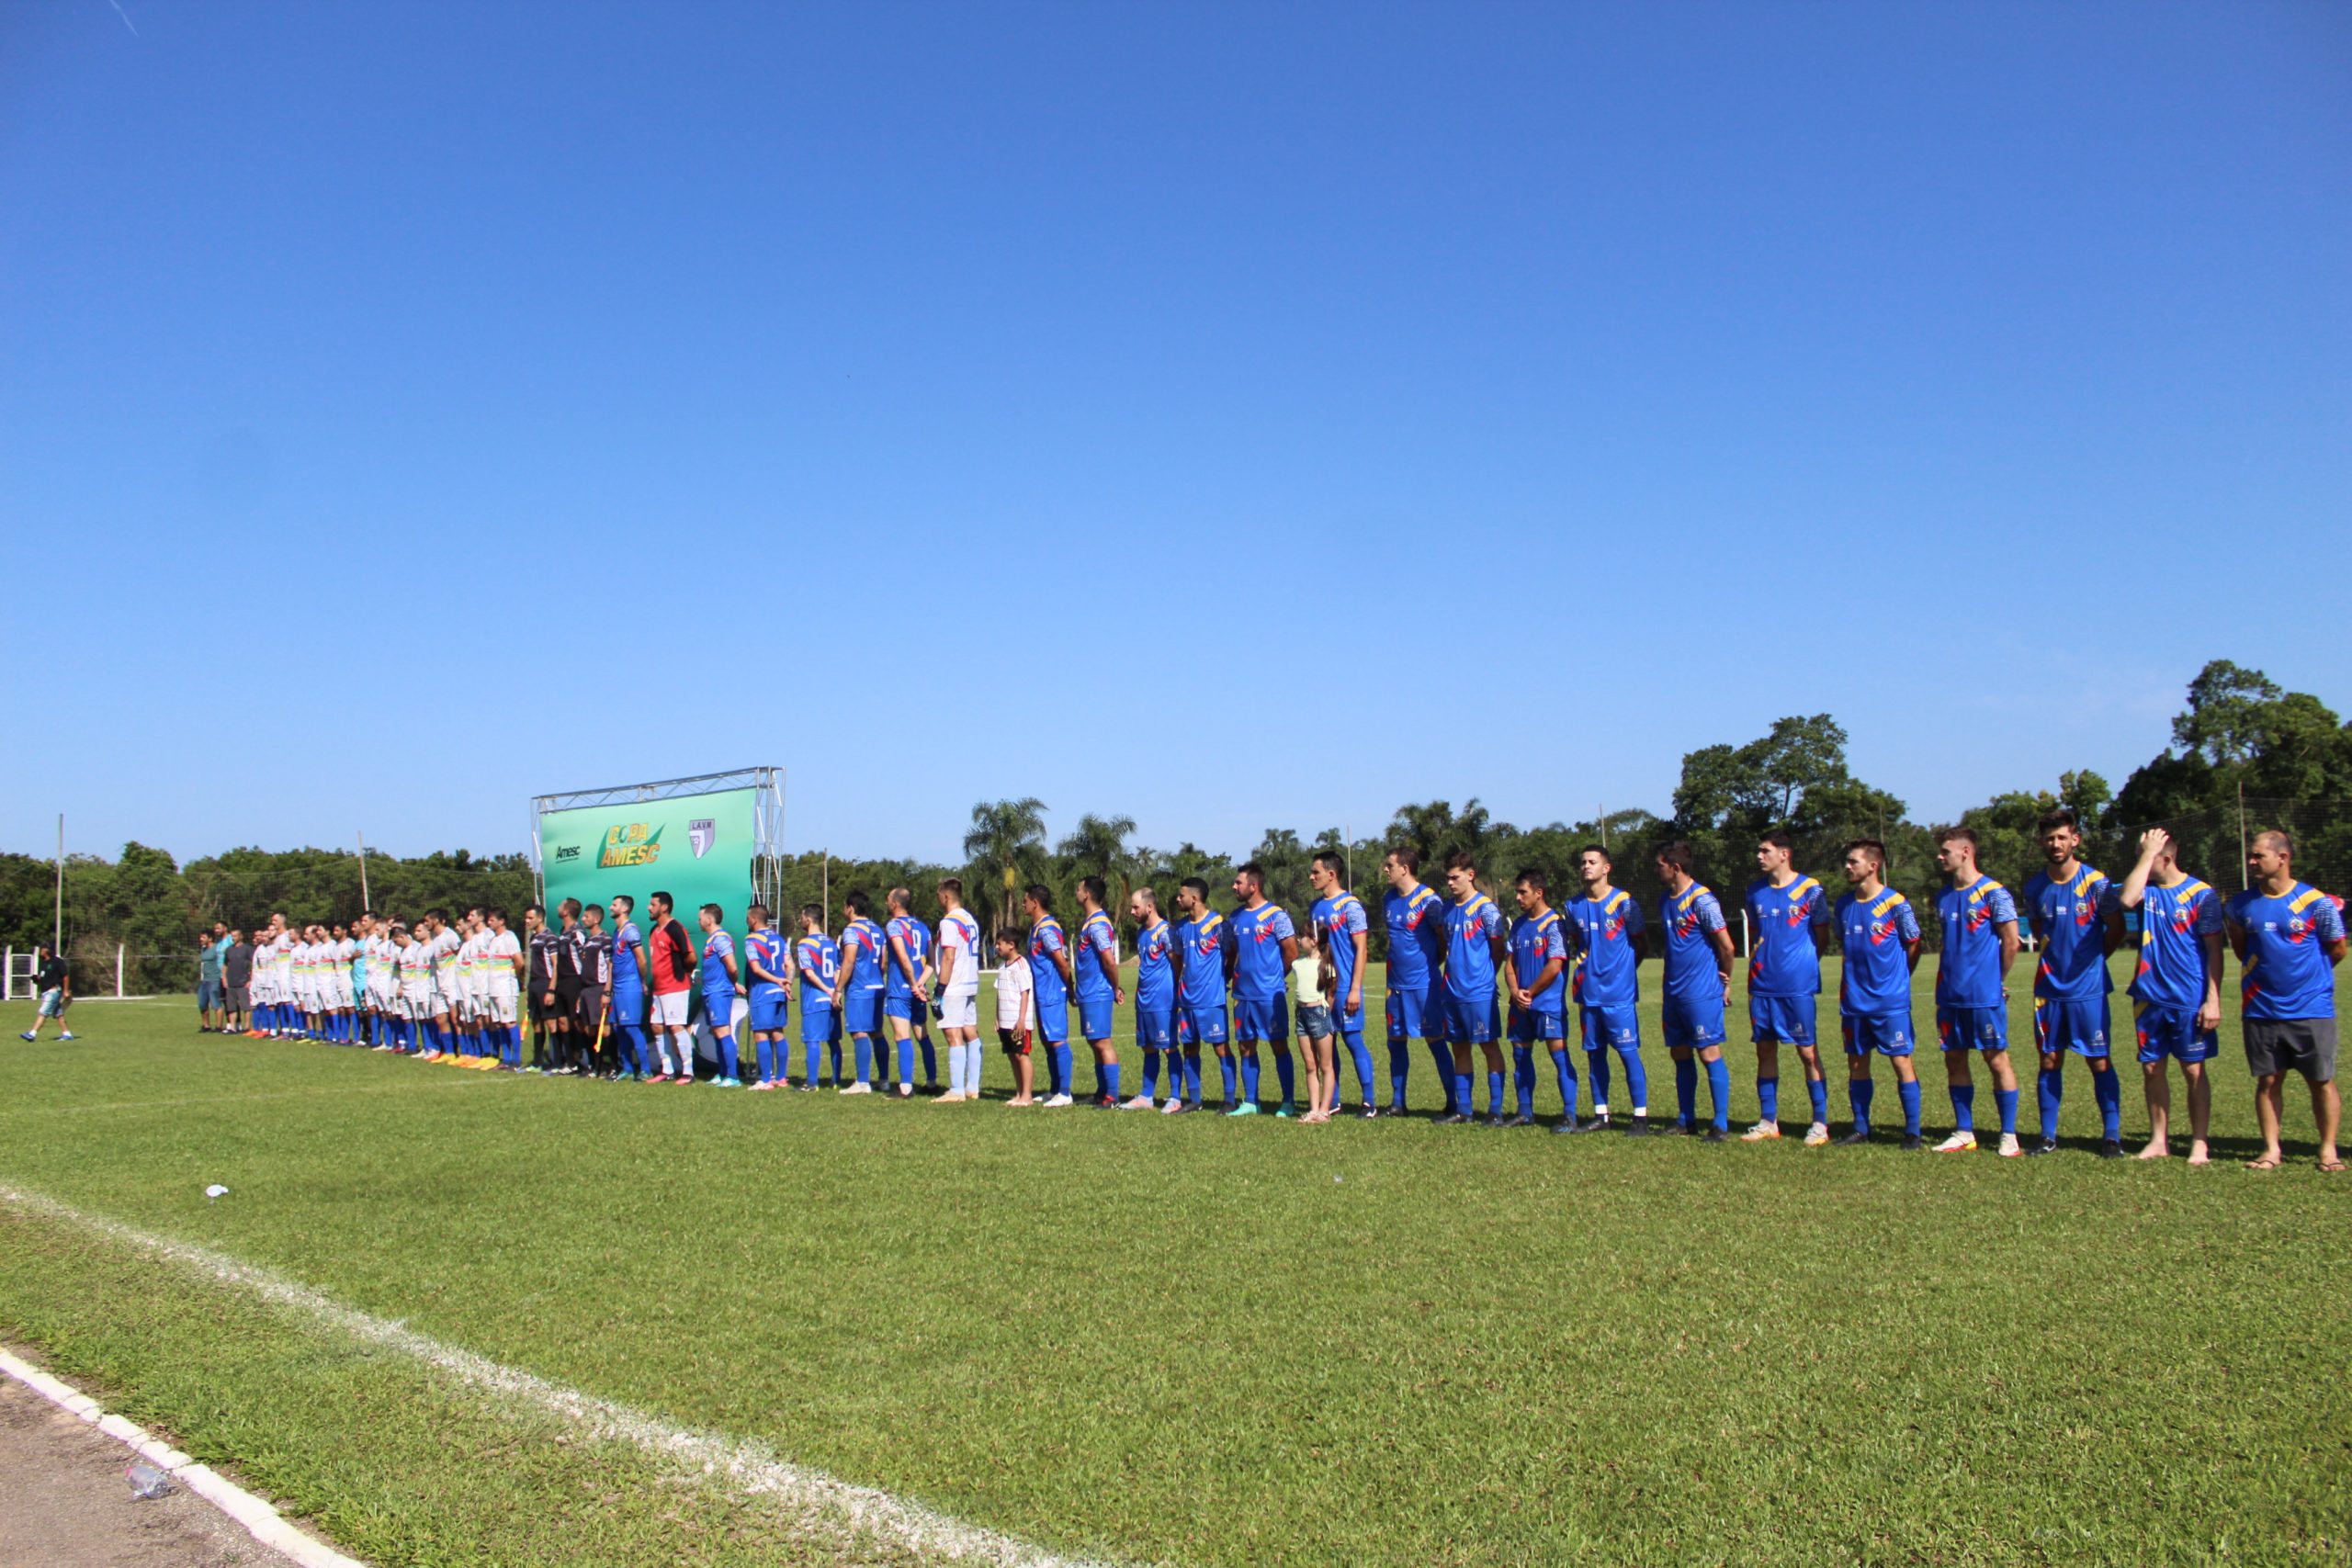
(2331, 1167)
(2265, 1162)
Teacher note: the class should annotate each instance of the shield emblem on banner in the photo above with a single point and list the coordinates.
(699, 833)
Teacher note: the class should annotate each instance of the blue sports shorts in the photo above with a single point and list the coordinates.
(627, 1005)
(1888, 1033)
(1467, 1023)
(768, 1011)
(2079, 1026)
(1154, 1027)
(820, 1025)
(1688, 1022)
(904, 1007)
(1529, 1025)
(2171, 1032)
(1268, 1021)
(1053, 1020)
(1409, 1013)
(1200, 1026)
(1095, 1019)
(1782, 1021)
(1972, 1029)
(1610, 1027)
(719, 1011)
(861, 1012)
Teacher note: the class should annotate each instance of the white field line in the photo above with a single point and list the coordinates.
(264, 1523)
(820, 1503)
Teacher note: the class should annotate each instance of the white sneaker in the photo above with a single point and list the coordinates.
(1051, 1100)
(1957, 1143)
(1175, 1103)
(953, 1097)
(2009, 1146)
(857, 1089)
(1817, 1135)
(69, 1034)
(1140, 1102)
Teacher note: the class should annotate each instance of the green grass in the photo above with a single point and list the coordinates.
(1192, 1340)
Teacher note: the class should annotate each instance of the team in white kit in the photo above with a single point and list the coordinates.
(433, 988)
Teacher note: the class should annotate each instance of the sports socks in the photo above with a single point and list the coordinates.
(1768, 1098)
(2107, 1087)
(1400, 1062)
(1225, 1069)
(1909, 1094)
(1109, 1073)
(2006, 1099)
(1817, 1090)
(1859, 1094)
(1150, 1072)
(1564, 1068)
(1963, 1107)
(1191, 1066)
(1059, 1060)
(1287, 1071)
(2050, 1089)
(1443, 1058)
(1686, 1089)
(1637, 1082)
(1522, 1078)
(1596, 1057)
(1250, 1072)
(1719, 1091)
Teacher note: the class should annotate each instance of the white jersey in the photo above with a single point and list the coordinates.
(499, 961)
(957, 928)
(1013, 987)
(441, 955)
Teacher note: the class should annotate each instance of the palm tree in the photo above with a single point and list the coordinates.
(1007, 838)
(1098, 847)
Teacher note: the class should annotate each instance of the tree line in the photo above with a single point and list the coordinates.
(2239, 738)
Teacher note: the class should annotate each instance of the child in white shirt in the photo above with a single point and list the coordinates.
(1016, 1016)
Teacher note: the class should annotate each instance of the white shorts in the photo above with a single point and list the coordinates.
(339, 991)
(416, 1002)
(382, 993)
(959, 1009)
(499, 1006)
(669, 1009)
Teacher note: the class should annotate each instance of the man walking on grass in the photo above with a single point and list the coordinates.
(53, 983)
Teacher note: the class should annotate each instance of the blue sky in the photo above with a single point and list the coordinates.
(1230, 415)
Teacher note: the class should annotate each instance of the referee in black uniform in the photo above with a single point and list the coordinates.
(545, 947)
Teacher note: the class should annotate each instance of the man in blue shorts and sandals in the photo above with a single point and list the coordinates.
(2289, 937)
(1881, 933)
(2175, 989)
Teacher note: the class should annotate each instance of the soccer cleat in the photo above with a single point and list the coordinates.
(2108, 1149)
(1284, 1111)
(1762, 1132)
(1178, 1108)
(1498, 1120)
(1139, 1103)
(1639, 1127)
(1452, 1119)
(1960, 1142)
(2010, 1149)
(857, 1089)
(1246, 1107)
(2047, 1146)
(1714, 1134)
(1370, 1113)
(1054, 1101)
(1858, 1135)
(1913, 1141)
(1817, 1135)
(684, 1079)
(1524, 1119)
(906, 1091)
(1567, 1124)
(1599, 1124)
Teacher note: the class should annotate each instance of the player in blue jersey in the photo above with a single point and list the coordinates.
(1477, 945)
(2289, 937)
(1978, 921)
(1204, 955)
(906, 990)
(1050, 973)
(1155, 1000)
(817, 961)
(626, 1001)
(1881, 935)
(718, 980)
(1697, 989)
(1099, 991)
(1605, 925)
(2176, 989)
(1789, 917)
(765, 968)
(2070, 905)
(858, 991)
(1263, 942)
(1539, 997)
(1339, 918)
(1415, 917)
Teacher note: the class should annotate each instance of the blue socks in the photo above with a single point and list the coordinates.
(1361, 1053)
(811, 1058)
(930, 1059)
(1287, 1071)
(1768, 1098)
(1151, 1073)
(2006, 1099)
(767, 1059)
(1963, 1107)
(2107, 1087)
(1057, 1063)
(1225, 1070)
(1719, 1091)
(864, 1058)
(1596, 1058)
(1637, 1082)
(1686, 1089)
(1909, 1093)
(907, 1060)
(1495, 1093)
(1522, 1077)
(1189, 1061)
(1564, 1068)
(730, 1065)
(1817, 1090)
(1250, 1075)
(2050, 1090)
(1443, 1058)
(1400, 1062)
(1111, 1079)
(1859, 1094)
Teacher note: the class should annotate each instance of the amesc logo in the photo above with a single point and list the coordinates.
(567, 852)
(633, 844)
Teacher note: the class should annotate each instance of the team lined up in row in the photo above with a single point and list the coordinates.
(1228, 982)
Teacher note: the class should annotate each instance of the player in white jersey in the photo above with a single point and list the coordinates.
(341, 951)
(478, 977)
(502, 961)
(415, 967)
(281, 963)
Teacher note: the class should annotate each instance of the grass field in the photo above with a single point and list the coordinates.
(1198, 1340)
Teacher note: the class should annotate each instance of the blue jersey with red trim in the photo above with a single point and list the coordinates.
(2174, 923)
(1878, 965)
(1416, 923)
(1784, 956)
(1606, 930)
(1690, 919)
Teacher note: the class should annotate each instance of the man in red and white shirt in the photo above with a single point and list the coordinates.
(672, 980)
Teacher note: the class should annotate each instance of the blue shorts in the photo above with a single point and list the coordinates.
(1409, 1013)
(904, 1007)
(1467, 1023)
(1196, 1027)
(1888, 1033)
(861, 1012)
(768, 1013)
(1973, 1028)
(1610, 1027)
(208, 994)
(1349, 1025)
(818, 1025)
(719, 1011)
(1268, 1021)
(627, 1003)
(1780, 1020)
(1094, 1019)
(1053, 1020)
(2079, 1027)
(1314, 1022)
(1154, 1027)
(1529, 1025)
(1692, 1022)
(2171, 1032)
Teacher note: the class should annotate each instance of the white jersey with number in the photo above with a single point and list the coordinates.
(499, 961)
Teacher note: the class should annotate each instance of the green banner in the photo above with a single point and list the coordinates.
(696, 848)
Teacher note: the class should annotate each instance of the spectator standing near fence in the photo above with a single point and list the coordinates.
(54, 985)
(208, 954)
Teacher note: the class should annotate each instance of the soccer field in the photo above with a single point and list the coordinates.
(1135, 1339)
